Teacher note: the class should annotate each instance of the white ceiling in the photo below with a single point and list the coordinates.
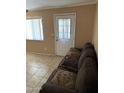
(46, 4)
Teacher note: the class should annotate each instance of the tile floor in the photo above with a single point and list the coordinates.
(38, 69)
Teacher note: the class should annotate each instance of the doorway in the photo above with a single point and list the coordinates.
(64, 33)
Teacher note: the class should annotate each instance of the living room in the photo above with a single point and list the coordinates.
(62, 27)
(54, 46)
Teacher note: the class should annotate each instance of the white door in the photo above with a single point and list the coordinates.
(64, 33)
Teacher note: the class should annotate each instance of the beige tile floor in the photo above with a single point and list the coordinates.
(38, 69)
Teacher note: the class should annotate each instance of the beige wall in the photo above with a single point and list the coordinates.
(84, 27)
(95, 32)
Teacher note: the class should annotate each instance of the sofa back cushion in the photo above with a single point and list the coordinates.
(88, 45)
(89, 52)
(87, 77)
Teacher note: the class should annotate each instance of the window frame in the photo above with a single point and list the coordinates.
(41, 23)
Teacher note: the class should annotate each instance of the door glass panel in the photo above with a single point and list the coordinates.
(64, 28)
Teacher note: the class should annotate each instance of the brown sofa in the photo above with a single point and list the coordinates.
(71, 60)
(77, 73)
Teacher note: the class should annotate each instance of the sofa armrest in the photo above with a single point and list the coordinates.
(50, 88)
(79, 49)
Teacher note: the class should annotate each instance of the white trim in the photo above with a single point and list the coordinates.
(64, 14)
(74, 29)
(42, 53)
(54, 19)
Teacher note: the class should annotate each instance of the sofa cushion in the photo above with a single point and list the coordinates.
(69, 65)
(64, 78)
(89, 52)
(70, 61)
(50, 88)
(87, 78)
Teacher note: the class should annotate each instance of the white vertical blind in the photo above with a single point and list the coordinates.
(34, 29)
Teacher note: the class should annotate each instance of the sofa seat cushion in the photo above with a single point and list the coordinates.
(70, 62)
(64, 78)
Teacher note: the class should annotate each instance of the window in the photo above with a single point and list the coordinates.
(34, 29)
(64, 28)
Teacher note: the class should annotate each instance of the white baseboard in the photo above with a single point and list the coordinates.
(42, 54)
